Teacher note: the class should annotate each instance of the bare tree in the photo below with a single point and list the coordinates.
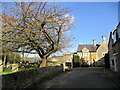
(38, 26)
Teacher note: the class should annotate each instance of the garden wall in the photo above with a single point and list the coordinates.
(24, 79)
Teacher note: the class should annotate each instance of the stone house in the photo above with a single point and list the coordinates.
(114, 49)
(93, 54)
(114, 45)
(101, 51)
(31, 59)
(55, 61)
(87, 54)
(66, 60)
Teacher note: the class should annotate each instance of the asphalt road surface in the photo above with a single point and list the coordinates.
(79, 78)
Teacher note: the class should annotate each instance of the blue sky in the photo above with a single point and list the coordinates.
(92, 21)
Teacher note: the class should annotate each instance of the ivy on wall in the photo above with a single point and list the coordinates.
(76, 58)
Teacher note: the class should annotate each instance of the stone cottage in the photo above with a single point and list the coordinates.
(93, 54)
(114, 46)
(66, 60)
(114, 49)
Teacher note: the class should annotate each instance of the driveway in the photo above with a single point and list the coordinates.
(93, 77)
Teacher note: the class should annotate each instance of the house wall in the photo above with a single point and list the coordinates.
(86, 58)
(118, 58)
(116, 54)
(102, 50)
(110, 52)
(114, 49)
(91, 56)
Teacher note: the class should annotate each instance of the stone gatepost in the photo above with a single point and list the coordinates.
(14, 67)
(1, 66)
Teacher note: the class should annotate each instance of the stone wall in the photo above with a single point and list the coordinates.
(116, 53)
(24, 79)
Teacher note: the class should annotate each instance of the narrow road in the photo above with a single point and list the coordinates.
(79, 78)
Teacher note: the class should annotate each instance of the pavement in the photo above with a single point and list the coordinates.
(113, 77)
(93, 77)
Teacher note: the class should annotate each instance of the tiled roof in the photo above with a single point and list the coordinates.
(91, 47)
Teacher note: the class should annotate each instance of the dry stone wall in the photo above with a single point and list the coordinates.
(26, 78)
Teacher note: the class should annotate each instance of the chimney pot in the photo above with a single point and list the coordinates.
(94, 42)
(103, 38)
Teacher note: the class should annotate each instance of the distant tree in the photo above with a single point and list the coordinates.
(76, 58)
(76, 61)
(10, 57)
(14, 57)
(5, 53)
(37, 26)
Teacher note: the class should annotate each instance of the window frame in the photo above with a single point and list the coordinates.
(118, 31)
(84, 54)
(114, 36)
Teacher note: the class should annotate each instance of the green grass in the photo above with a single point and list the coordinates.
(9, 71)
(21, 69)
(6, 71)
(3, 73)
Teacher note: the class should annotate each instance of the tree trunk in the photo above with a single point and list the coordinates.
(4, 62)
(43, 64)
(23, 56)
(14, 58)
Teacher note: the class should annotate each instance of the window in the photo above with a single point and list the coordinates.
(114, 34)
(112, 62)
(85, 53)
(103, 54)
(115, 63)
(68, 64)
(119, 32)
(110, 44)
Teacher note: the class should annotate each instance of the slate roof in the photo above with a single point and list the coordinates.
(91, 47)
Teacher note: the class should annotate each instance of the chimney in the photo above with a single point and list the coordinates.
(94, 42)
(103, 38)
